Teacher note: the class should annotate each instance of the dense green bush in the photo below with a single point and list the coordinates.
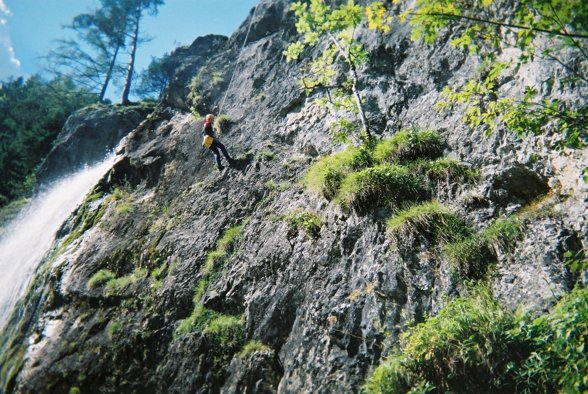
(560, 339)
(430, 218)
(409, 145)
(325, 176)
(467, 348)
(380, 186)
(475, 345)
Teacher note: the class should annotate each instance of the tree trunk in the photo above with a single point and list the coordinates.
(356, 95)
(128, 81)
(109, 73)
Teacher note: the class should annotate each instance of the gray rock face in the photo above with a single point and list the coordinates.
(87, 137)
(327, 309)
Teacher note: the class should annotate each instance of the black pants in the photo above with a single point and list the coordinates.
(214, 148)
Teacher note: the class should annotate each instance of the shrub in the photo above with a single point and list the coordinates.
(469, 348)
(305, 220)
(408, 145)
(380, 186)
(430, 218)
(99, 278)
(325, 176)
(475, 345)
(560, 360)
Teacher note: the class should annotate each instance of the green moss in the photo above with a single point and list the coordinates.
(409, 145)
(114, 327)
(197, 321)
(326, 175)
(432, 219)
(381, 186)
(118, 286)
(100, 278)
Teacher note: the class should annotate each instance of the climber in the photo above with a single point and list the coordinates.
(213, 144)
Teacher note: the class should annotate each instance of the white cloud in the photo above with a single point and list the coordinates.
(13, 58)
(4, 8)
(9, 63)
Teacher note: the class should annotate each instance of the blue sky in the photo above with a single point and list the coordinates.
(29, 28)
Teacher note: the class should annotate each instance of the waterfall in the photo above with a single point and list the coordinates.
(30, 235)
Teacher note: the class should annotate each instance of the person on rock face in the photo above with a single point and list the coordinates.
(213, 144)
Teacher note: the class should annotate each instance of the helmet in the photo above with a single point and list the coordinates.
(209, 117)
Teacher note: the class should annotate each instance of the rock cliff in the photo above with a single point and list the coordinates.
(174, 277)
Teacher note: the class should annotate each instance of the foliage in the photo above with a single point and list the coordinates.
(91, 59)
(409, 145)
(100, 278)
(430, 218)
(32, 113)
(156, 78)
(305, 220)
(379, 186)
(117, 286)
(468, 347)
(560, 361)
(325, 176)
(447, 170)
(254, 346)
(484, 31)
(194, 97)
(476, 345)
(317, 19)
(10, 211)
(469, 257)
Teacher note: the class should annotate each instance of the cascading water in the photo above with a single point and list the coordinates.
(28, 237)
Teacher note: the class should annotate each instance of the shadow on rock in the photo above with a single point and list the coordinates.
(241, 163)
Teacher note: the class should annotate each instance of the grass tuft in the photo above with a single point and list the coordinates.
(446, 170)
(409, 145)
(431, 218)
(254, 346)
(326, 175)
(380, 186)
(100, 278)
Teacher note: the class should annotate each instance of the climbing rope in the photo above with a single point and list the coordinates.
(220, 111)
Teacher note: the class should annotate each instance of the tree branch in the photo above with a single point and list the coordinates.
(502, 24)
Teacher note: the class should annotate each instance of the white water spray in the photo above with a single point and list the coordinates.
(30, 235)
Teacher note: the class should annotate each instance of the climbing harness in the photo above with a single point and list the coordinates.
(238, 58)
